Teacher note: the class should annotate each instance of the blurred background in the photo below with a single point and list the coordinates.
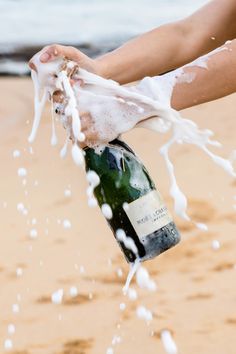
(94, 26)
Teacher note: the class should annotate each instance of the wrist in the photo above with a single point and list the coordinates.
(102, 67)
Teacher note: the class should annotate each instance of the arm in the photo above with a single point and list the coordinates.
(218, 80)
(162, 49)
(172, 45)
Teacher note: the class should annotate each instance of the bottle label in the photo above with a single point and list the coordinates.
(148, 214)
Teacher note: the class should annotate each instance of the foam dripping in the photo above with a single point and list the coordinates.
(116, 109)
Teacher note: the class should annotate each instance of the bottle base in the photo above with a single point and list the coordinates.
(160, 241)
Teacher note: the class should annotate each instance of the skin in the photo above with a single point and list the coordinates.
(169, 47)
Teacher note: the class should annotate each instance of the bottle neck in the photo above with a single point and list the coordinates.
(118, 143)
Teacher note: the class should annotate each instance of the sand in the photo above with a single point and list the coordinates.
(196, 292)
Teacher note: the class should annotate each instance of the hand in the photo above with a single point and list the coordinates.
(52, 52)
(87, 126)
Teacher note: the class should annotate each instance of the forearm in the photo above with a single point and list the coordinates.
(172, 45)
(218, 80)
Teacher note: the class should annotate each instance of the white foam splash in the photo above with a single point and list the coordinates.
(144, 313)
(168, 342)
(93, 180)
(11, 329)
(22, 172)
(66, 224)
(16, 153)
(8, 345)
(133, 269)
(73, 291)
(215, 245)
(107, 211)
(144, 281)
(116, 109)
(57, 296)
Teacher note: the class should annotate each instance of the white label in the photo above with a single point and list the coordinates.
(148, 214)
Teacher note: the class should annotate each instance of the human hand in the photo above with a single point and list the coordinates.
(87, 126)
(54, 51)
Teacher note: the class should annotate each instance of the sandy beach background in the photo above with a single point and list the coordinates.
(196, 295)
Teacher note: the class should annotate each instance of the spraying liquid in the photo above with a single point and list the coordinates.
(115, 110)
(124, 109)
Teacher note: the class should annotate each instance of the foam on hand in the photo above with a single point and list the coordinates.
(116, 109)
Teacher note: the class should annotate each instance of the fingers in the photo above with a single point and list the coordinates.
(87, 127)
(54, 51)
(58, 96)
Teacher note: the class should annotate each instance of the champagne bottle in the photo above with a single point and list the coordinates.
(138, 211)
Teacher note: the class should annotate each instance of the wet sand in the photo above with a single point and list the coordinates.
(196, 292)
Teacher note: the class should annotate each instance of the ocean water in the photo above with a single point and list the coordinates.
(97, 24)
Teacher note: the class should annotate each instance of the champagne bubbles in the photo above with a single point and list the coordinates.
(20, 207)
(119, 272)
(33, 233)
(11, 329)
(67, 193)
(15, 308)
(8, 345)
(19, 272)
(107, 211)
(16, 153)
(122, 306)
(168, 342)
(110, 351)
(127, 241)
(73, 291)
(93, 180)
(215, 245)
(66, 224)
(144, 281)
(77, 155)
(201, 226)
(144, 313)
(57, 296)
(22, 172)
(132, 294)
(125, 206)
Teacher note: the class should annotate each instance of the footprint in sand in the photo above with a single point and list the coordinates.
(76, 300)
(77, 346)
(223, 266)
(231, 321)
(199, 296)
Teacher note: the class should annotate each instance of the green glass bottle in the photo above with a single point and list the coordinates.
(137, 207)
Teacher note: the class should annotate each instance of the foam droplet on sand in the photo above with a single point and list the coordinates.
(201, 226)
(144, 313)
(57, 296)
(33, 233)
(144, 281)
(22, 172)
(73, 291)
(132, 294)
(66, 224)
(11, 329)
(215, 245)
(8, 345)
(16, 153)
(168, 342)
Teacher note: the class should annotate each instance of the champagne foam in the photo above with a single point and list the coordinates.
(116, 109)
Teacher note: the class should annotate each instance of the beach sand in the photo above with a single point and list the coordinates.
(196, 293)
